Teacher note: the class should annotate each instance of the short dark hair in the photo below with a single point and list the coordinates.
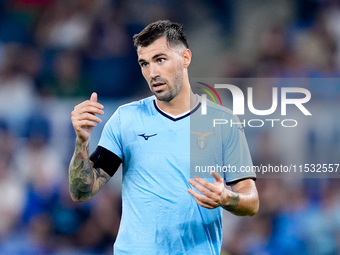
(174, 33)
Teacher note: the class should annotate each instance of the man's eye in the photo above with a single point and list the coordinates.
(143, 64)
(160, 60)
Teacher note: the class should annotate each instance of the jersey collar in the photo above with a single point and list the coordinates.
(178, 117)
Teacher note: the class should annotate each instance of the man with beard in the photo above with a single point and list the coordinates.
(164, 210)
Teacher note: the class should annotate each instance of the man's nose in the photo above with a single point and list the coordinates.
(154, 71)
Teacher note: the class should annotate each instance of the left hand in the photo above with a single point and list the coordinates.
(213, 194)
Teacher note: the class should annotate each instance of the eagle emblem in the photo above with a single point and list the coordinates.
(201, 138)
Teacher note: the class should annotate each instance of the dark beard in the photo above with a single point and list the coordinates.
(172, 92)
(167, 97)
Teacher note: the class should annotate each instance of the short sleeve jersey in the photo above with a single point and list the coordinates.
(159, 216)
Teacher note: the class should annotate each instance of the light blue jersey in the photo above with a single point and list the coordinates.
(218, 143)
(159, 215)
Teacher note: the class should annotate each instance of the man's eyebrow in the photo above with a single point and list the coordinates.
(159, 55)
(154, 57)
(141, 60)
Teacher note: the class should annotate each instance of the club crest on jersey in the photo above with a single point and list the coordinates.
(202, 138)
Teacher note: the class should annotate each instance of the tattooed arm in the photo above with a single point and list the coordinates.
(85, 180)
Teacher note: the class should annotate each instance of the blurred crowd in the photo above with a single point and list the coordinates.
(53, 54)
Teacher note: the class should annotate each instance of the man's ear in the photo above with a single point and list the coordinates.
(186, 57)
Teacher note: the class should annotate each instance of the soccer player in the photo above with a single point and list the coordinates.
(164, 210)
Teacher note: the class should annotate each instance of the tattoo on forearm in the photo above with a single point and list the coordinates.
(84, 180)
(80, 173)
(233, 202)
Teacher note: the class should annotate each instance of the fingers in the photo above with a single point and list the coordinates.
(203, 200)
(88, 107)
(85, 116)
(217, 176)
(210, 194)
(203, 187)
(202, 184)
(84, 123)
(94, 97)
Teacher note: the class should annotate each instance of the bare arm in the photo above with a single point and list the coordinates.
(85, 180)
(242, 200)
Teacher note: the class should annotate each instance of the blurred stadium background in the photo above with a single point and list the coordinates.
(53, 54)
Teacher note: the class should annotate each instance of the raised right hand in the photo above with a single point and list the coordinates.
(84, 117)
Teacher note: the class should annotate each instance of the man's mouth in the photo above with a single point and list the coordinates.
(158, 86)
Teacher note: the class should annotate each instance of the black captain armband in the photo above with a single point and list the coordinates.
(106, 160)
(242, 179)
